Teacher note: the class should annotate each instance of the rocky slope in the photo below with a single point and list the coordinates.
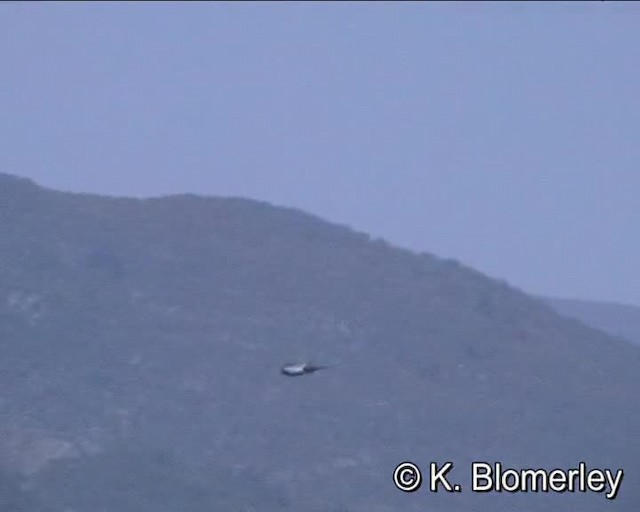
(141, 343)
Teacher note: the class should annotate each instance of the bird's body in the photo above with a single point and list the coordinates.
(297, 369)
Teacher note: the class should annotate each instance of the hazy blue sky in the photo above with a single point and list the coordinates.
(505, 135)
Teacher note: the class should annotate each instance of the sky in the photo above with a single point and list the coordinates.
(504, 135)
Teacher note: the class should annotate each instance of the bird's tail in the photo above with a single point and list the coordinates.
(316, 367)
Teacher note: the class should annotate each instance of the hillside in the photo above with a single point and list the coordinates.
(621, 320)
(141, 343)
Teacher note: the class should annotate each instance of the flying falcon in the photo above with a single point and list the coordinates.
(297, 369)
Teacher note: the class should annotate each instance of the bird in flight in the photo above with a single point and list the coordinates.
(297, 369)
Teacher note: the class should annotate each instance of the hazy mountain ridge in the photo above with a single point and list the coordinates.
(166, 320)
(621, 320)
